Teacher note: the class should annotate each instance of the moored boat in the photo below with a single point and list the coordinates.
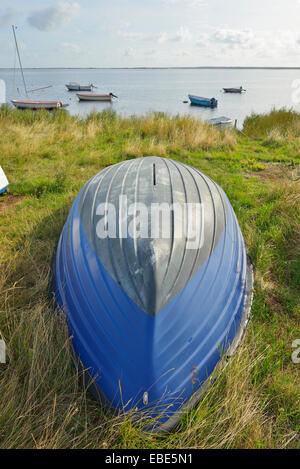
(234, 90)
(35, 105)
(205, 102)
(78, 87)
(151, 315)
(31, 103)
(95, 97)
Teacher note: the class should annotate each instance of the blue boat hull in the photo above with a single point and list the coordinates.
(204, 102)
(166, 356)
(3, 190)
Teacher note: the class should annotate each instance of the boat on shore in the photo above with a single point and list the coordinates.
(221, 122)
(35, 105)
(205, 102)
(152, 317)
(3, 181)
(77, 87)
(234, 90)
(95, 97)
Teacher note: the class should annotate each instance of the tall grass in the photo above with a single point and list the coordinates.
(177, 132)
(44, 404)
(276, 126)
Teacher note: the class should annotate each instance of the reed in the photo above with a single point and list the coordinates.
(276, 126)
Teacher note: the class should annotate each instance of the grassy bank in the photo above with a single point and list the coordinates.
(47, 158)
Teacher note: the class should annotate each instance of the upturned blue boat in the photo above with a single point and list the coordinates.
(150, 314)
(206, 102)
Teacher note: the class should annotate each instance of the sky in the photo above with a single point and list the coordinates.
(151, 33)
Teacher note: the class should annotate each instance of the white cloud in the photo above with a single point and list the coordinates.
(236, 45)
(233, 36)
(132, 36)
(182, 35)
(52, 17)
(183, 53)
(202, 40)
(226, 46)
(73, 48)
(162, 37)
(150, 53)
(130, 52)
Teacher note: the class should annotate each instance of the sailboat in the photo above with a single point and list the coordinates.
(31, 103)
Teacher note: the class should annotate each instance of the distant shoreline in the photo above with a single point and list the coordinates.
(155, 68)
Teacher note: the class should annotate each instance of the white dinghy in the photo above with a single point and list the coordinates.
(3, 181)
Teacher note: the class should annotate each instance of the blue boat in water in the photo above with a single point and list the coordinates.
(205, 102)
(154, 295)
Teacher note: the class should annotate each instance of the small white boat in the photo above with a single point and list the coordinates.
(3, 181)
(77, 87)
(35, 105)
(221, 122)
(95, 97)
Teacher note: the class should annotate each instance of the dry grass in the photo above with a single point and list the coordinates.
(183, 132)
(156, 131)
(44, 405)
(278, 126)
(231, 414)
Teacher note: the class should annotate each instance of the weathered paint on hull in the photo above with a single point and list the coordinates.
(153, 329)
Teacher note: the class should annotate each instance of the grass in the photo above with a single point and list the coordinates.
(277, 126)
(254, 402)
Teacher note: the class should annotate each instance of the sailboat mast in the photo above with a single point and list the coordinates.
(13, 28)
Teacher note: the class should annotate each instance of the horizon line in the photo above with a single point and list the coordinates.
(162, 68)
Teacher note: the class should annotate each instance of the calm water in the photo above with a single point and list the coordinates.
(140, 91)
